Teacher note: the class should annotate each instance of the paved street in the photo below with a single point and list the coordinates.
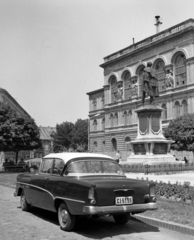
(42, 225)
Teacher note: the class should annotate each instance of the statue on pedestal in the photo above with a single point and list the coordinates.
(134, 89)
(149, 84)
(119, 94)
(169, 79)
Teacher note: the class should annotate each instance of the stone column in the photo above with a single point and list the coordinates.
(189, 105)
(190, 69)
(106, 94)
(90, 104)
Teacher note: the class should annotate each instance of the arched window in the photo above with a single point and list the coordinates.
(125, 116)
(177, 109)
(113, 89)
(111, 120)
(139, 73)
(180, 70)
(127, 141)
(184, 107)
(116, 120)
(95, 146)
(160, 74)
(114, 144)
(103, 146)
(126, 78)
(130, 117)
(164, 112)
(95, 125)
(103, 123)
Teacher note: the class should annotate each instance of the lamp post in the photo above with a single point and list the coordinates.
(52, 135)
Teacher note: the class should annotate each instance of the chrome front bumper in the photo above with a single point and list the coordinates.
(119, 209)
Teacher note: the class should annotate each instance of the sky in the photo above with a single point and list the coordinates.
(50, 50)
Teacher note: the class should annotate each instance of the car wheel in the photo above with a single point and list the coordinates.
(65, 218)
(25, 206)
(122, 219)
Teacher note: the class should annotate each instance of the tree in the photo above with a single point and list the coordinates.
(17, 132)
(62, 138)
(80, 135)
(181, 130)
(71, 136)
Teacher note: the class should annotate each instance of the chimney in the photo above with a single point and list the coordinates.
(157, 24)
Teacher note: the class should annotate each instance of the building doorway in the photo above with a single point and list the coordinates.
(114, 144)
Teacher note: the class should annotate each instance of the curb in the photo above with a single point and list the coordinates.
(168, 225)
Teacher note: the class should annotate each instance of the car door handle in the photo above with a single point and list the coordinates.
(46, 178)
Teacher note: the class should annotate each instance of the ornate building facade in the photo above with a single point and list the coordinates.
(112, 116)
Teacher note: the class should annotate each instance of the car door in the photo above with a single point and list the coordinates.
(39, 195)
(52, 183)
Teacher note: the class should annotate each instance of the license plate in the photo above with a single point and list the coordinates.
(124, 200)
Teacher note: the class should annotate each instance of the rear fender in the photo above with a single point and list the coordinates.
(75, 207)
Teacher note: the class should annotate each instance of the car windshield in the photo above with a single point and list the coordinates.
(97, 167)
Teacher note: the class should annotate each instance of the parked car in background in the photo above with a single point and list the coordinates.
(83, 184)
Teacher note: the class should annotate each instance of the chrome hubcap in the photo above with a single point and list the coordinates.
(64, 215)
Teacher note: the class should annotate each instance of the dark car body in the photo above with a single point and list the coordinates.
(83, 184)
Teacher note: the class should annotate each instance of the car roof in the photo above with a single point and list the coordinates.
(67, 156)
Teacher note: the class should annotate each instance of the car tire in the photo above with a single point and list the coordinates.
(66, 219)
(122, 219)
(25, 206)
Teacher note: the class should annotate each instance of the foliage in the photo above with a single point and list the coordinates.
(181, 130)
(17, 132)
(63, 136)
(71, 137)
(177, 191)
(159, 168)
(79, 139)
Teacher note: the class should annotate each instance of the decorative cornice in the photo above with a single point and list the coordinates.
(150, 41)
(189, 60)
(168, 66)
(106, 87)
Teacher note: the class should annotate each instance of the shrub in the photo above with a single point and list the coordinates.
(183, 192)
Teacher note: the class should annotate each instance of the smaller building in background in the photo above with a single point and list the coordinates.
(46, 136)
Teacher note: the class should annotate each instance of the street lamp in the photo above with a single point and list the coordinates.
(52, 136)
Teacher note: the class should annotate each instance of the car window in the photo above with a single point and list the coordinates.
(58, 166)
(93, 167)
(78, 167)
(46, 166)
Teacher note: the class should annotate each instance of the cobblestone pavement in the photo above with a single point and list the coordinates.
(42, 225)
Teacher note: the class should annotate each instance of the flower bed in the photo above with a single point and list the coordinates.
(178, 192)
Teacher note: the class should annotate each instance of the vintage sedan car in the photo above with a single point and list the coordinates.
(83, 184)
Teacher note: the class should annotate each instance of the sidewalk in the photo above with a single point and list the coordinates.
(172, 178)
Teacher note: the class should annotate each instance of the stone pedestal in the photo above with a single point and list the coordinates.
(150, 147)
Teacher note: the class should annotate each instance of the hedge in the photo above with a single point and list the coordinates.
(179, 192)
